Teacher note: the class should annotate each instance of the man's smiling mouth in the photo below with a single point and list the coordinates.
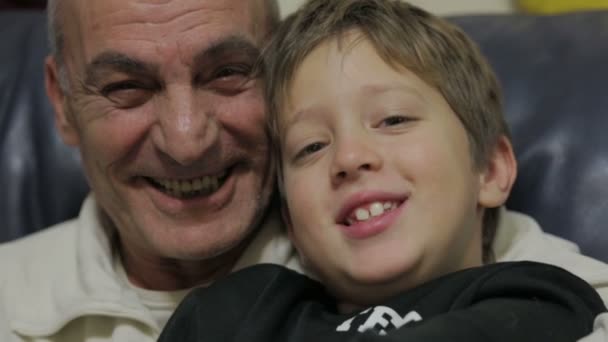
(189, 188)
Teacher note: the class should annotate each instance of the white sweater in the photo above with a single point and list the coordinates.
(60, 284)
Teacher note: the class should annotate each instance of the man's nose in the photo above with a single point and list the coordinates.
(186, 129)
(352, 158)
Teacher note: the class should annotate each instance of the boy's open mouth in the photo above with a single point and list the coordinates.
(369, 211)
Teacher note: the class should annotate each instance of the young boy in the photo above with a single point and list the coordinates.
(393, 157)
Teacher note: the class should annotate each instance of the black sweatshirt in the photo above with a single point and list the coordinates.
(515, 301)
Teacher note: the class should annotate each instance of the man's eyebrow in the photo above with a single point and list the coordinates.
(112, 61)
(230, 46)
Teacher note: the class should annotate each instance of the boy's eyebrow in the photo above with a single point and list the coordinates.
(376, 89)
(112, 61)
(367, 90)
(298, 116)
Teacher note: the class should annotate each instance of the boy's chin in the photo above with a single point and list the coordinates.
(364, 290)
(384, 273)
(357, 298)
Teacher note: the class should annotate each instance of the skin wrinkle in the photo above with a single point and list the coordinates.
(110, 62)
(84, 97)
(114, 60)
(88, 95)
(235, 47)
(199, 17)
(231, 44)
(186, 13)
(118, 144)
(158, 16)
(258, 7)
(178, 16)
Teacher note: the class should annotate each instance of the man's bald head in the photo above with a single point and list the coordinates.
(57, 9)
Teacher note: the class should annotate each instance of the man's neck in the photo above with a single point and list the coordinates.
(171, 274)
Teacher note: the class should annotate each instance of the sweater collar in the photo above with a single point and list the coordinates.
(83, 280)
(78, 280)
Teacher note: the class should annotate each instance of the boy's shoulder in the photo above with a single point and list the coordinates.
(522, 301)
(271, 302)
(520, 237)
(520, 280)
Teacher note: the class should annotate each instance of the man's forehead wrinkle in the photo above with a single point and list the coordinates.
(185, 21)
(166, 15)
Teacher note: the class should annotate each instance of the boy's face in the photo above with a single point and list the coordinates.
(380, 186)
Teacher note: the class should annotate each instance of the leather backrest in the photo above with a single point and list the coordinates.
(40, 177)
(554, 72)
(555, 78)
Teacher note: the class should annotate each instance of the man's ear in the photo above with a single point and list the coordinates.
(55, 92)
(498, 176)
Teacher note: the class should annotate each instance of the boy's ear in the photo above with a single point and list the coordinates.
(57, 97)
(498, 176)
(289, 225)
(286, 219)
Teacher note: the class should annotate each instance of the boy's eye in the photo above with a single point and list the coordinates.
(394, 120)
(309, 149)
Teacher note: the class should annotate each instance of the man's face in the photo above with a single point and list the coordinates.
(379, 182)
(169, 124)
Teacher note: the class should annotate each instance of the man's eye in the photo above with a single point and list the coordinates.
(232, 70)
(119, 86)
(127, 94)
(310, 149)
(229, 80)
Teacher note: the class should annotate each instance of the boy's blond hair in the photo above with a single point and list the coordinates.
(404, 36)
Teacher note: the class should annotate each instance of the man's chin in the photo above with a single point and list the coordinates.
(198, 229)
(218, 249)
(189, 239)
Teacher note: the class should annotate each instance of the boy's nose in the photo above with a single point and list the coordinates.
(186, 128)
(352, 159)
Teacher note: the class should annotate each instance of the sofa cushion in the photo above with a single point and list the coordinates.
(554, 72)
(40, 177)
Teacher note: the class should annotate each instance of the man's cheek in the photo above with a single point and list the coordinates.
(246, 110)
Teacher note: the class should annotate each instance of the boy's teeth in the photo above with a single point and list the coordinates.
(374, 209)
(362, 214)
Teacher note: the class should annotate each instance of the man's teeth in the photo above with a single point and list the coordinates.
(184, 188)
(373, 210)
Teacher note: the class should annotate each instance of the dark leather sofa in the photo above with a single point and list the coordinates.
(554, 71)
